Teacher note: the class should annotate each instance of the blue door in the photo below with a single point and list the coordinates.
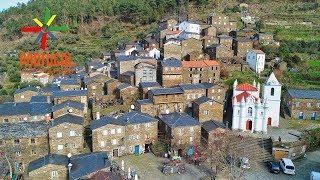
(301, 115)
(314, 116)
(136, 150)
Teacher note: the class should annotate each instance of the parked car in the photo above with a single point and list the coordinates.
(274, 167)
(244, 163)
(287, 166)
(314, 175)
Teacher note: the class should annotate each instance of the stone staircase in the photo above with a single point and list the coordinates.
(258, 150)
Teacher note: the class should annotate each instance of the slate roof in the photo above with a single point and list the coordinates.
(68, 103)
(85, 164)
(95, 64)
(304, 93)
(171, 63)
(56, 159)
(104, 121)
(144, 101)
(144, 85)
(161, 91)
(131, 58)
(178, 119)
(192, 86)
(211, 125)
(123, 86)
(69, 81)
(23, 129)
(208, 85)
(38, 99)
(202, 99)
(67, 118)
(69, 93)
(135, 117)
(50, 88)
(24, 108)
(29, 88)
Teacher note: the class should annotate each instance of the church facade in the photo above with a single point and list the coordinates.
(254, 113)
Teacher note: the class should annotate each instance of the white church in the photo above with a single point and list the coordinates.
(252, 113)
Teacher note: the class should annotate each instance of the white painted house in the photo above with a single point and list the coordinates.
(256, 60)
(252, 113)
(154, 53)
(190, 27)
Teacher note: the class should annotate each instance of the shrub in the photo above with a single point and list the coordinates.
(312, 137)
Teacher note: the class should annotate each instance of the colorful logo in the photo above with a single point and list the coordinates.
(44, 30)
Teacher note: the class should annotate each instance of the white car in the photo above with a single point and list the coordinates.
(287, 166)
(315, 175)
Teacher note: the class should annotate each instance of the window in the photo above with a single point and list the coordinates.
(54, 174)
(137, 136)
(22, 96)
(238, 112)
(102, 144)
(6, 120)
(318, 104)
(180, 131)
(60, 147)
(114, 142)
(32, 140)
(250, 111)
(191, 129)
(205, 112)
(16, 141)
(212, 90)
(272, 92)
(148, 124)
(93, 87)
(113, 131)
(179, 142)
(308, 104)
(105, 132)
(297, 104)
(59, 135)
(136, 126)
(72, 133)
(119, 130)
(33, 152)
(191, 139)
(219, 90)
(18, 153)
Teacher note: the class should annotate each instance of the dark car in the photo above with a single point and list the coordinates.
(274, 167)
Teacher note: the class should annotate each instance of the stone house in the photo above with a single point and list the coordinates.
(161, 101)
(145, 72)
(68, 84)
(223, 23)
(96, 86)
(25, 112)
(25, 94)
(205, 109)
(171, 34)
(213, 132)
(210, 31)
(208, 41)
(95, 66)
(303, 104)
(265, 38)
(172, 49)
(23, 142)
(75, 95)
(190, 45)
(97, 161)
(220, 52)
(144, 88)
(50, 166)
(200, 71)
(243, 33)
(66, 135)
(127, 93)
(225, 40)
(29, 76)
(192, 92)
(243, 46)
(180, 131)
(171, 72)
(68, 107)
(111, 86)
(131, 133)
(127, 77)
(127, 63)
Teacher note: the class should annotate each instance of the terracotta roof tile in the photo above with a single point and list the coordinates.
(173, 32)
(258, 51)
(246, 87)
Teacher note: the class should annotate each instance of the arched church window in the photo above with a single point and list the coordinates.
(250, 111)
(272, 92)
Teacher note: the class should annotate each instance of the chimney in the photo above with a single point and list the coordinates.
(98, 115)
